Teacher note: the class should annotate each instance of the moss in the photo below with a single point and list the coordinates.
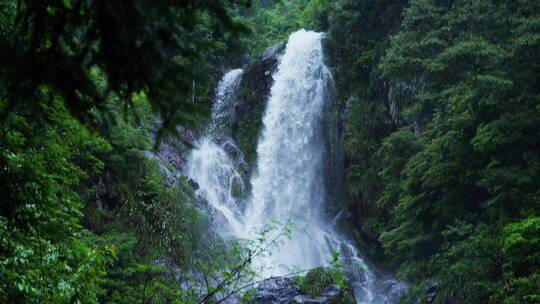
(237, 189)
(344, 297)
(251, 102)
(249, 124)
(316, 281)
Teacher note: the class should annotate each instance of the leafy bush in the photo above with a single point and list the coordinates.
(44, 159)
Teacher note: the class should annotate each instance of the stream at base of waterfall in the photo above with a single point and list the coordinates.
(287, 184)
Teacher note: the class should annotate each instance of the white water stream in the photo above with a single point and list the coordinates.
(288, 182)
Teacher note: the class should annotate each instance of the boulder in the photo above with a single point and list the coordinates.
(281, 290)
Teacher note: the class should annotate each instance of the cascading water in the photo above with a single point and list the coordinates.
(288, 184)
(222, 107)
(210, 165)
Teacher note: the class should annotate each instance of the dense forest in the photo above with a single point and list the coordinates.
(439, 116)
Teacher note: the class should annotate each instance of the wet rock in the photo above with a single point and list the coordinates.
(193, 184)
(272, 52)
(333, 158)
(431, 291)
(173, 151)
(284, 290)
(246, 118)
(393, 289)
(276, 290)
(170, 176)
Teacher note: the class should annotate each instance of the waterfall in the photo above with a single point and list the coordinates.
(288, 181)
(221, 110)
(210, 165)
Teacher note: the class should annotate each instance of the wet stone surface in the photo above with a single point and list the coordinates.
(285, 290)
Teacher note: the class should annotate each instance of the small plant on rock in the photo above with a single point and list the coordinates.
(316, 281)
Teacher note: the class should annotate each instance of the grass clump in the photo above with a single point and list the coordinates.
(316, 281)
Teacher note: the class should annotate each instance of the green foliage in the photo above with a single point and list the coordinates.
(86, 213)
(357, 38)
(165, 50)
(315, 14)
(130, 279)
(521, 247)
(44, 159)
(336, 271)
(441, 144)
(441, 141)
(273, 21)
(467, 167)
(58, 176)
(315, 282)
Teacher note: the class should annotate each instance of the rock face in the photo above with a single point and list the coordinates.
(334, 163)
(251, 100)
(173, 151)
(285, 290)
(393, 289)
(247, 115)
(172, 154)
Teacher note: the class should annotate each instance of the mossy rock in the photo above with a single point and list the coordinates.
(316, 281)
(253, 94)
(344, 297)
